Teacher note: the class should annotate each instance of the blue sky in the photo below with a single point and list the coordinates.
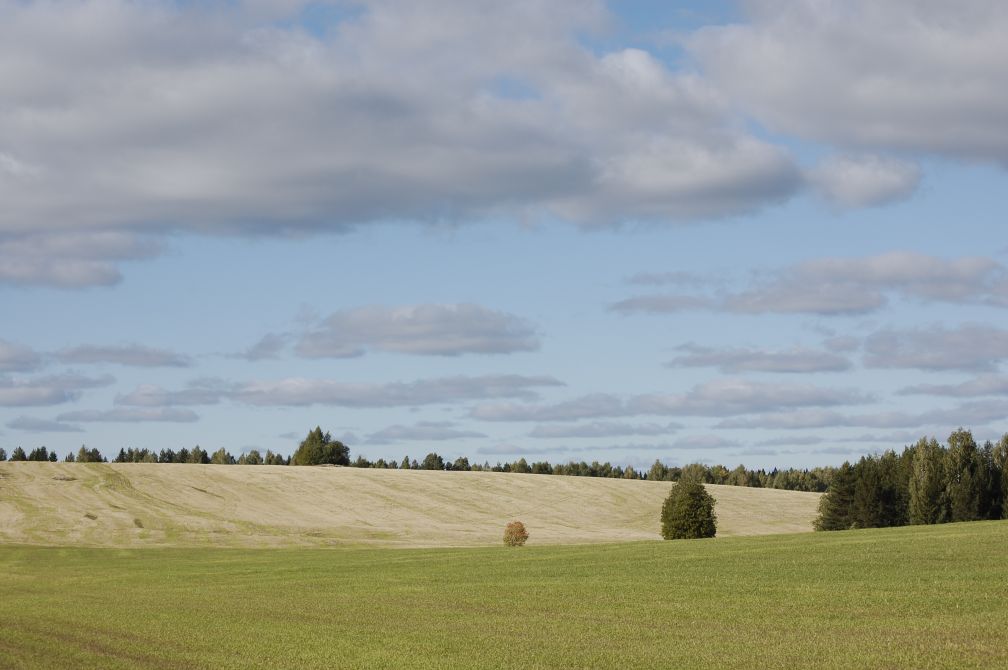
(768, 233)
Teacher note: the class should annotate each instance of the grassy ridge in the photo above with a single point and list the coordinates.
(908, 597)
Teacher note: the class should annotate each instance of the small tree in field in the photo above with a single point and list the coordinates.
(688, 512)
(515, 534)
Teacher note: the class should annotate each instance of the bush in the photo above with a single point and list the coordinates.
(688, 512)
(515, 534)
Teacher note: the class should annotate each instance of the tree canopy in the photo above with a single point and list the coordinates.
(688, 512)
(320, 448)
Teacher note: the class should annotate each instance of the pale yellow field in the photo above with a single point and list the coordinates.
(141, 504)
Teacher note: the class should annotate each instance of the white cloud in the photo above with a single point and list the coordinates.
(46, 390)
(36, 425)
(438, 330)
(602, 429)
(996, 385)
(974, 347)
(144, 118)
(131, 415)
(134, 355)
(430, 431)
(17, 358)
(724, 397)
(865, 181)
(847, 286)
(913, 76)
(306, 392)
(735, 360)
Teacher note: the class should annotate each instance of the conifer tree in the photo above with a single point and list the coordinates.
(927, 483)
(836, 506)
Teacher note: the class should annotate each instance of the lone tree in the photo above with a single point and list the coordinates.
(319, 448)
(688, 512)
(515, 534)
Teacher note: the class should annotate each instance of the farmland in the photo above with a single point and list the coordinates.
(922, 597)
(175, 505)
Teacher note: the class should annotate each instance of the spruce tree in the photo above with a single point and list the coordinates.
(836, 505)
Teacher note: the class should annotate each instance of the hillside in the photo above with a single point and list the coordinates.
(140, 504)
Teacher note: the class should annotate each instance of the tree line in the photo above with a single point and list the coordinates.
(320, 448)
(927, 483)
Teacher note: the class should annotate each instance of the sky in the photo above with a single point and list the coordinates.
(767, 232)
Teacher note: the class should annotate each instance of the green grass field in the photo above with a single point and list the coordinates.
(901, 598)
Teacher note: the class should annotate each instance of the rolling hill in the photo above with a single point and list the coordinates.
(136, 505)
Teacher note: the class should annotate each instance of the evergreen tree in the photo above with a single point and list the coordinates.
(53, 457)
(962, 477)
(85, 455)
(688, 512)
(69, 458)
(405, 463)
(836, 507)
(318, 448)
(927, 483)
(222, 457)
(432, 462)
(18, 454)
(1000, 458)
(39, 454)
(3, 454)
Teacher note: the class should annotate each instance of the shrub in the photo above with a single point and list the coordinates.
(515, 534)
(688, 512)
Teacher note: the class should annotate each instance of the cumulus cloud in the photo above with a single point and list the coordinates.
(36, 425)
(973, 347)
(439, 330)
(914, 76)
(865, 181)
(132, 119)
(735, 360)
(603, 429)
(134, 355)
(430, 431)
(46, 390)
(17, 358)
(724, 397)
(131, 415)
(846, 286)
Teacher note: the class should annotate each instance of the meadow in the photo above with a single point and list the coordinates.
(172, 505)
(914, 597)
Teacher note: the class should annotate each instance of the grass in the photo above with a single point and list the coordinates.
(265, 506)
(921, 597)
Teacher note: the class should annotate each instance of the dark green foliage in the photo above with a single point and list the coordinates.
(688, 512)
(18, 454)
(964, 480)
(132, 455)
(198, 455)
(432, 462)
(276, 459)
(39, 454)
(460, 464)
(70, 458)
(253, 457)
(222, 457)
(53, 457)
(85, 455)
(880, 494)
(3, 454)
(1000, 459)
(405, 465)
(320, 448)
(836, 507)
(927, 502)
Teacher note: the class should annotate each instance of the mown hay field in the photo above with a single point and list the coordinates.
(916, 597)
(153, 504)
